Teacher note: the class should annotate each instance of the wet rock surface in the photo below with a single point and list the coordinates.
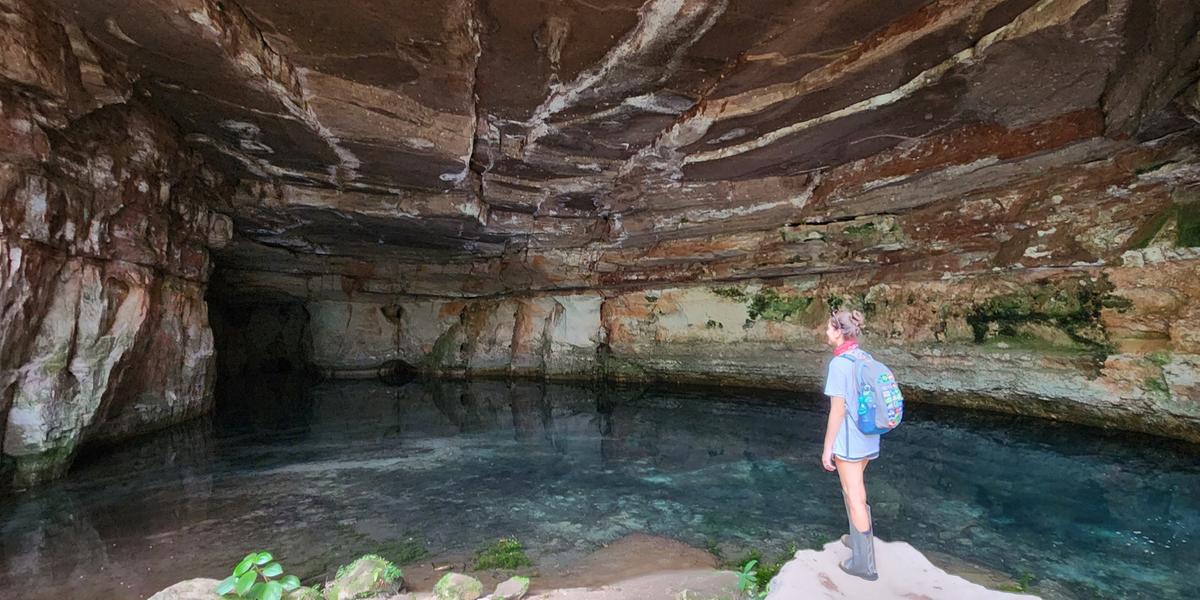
(904, 573)
(105, 229)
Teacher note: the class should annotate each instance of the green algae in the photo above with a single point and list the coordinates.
(1071, 307)
(1160, 358)
(505, 553)
(442, 347)
(856, 301)
(731, 293)
(1156, 384)
(860, 231)
(405, 551)
(1151, 167)
(767, 304)
(1149, 230)
(1187, 225)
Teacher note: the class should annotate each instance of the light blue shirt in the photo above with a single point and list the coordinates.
(850, 443)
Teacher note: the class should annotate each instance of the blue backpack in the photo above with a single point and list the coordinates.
(880, 404)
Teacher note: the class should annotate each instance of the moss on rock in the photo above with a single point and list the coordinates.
(1072, 307)
(769, 305)
(1187, 225)
(366, 576)
(731, 293)
(505, 553)
(456, 586)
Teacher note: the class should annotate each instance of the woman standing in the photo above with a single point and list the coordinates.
(848, 450)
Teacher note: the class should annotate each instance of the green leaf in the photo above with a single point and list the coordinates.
(263, 558)
(245, 565)
(255, 590)
(272, 570)
(226, 585)
(244, 582)
(271, 591)
(289, 582)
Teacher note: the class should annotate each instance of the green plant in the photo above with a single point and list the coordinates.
(257, 576)
(1024, 580)
(747, 583)
(764, 570)
(506, 553)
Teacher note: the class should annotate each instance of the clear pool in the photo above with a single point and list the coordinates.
(323, 473)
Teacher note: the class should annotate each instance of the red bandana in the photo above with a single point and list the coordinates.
(846, 346)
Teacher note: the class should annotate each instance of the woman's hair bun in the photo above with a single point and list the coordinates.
(850, 323)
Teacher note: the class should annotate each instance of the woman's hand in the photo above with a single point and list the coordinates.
(837, 414)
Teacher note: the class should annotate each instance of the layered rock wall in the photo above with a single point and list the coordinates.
(649, 189)
(1112, 347)
(104, 237)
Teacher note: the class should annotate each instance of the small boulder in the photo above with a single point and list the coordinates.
(192, 589)
(455, 586)
(512, 589)
(368, 576)
(303, 593)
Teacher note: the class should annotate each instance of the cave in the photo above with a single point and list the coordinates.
(316, 216)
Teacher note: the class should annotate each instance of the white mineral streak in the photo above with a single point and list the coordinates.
(277, 77)
(664, 26)
(1046, 13)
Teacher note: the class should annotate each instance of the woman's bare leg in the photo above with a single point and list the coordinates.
(854, 490)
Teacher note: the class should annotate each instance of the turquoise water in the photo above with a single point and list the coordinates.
(321, 474)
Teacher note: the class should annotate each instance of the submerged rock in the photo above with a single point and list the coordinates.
(456, 586)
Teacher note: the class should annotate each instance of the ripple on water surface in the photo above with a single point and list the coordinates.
(343, 468)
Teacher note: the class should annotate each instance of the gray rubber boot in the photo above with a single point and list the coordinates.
(849, 522)
(862, 553)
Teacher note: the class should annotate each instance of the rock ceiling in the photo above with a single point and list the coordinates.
(492, 146)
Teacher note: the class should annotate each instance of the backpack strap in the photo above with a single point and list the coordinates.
(859, 365)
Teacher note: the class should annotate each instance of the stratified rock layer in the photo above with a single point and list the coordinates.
(104, 230)
(682, 190)
(636, 189)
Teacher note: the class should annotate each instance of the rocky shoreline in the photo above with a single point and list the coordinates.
(642, 567)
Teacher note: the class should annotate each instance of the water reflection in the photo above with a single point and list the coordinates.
(323, 473)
